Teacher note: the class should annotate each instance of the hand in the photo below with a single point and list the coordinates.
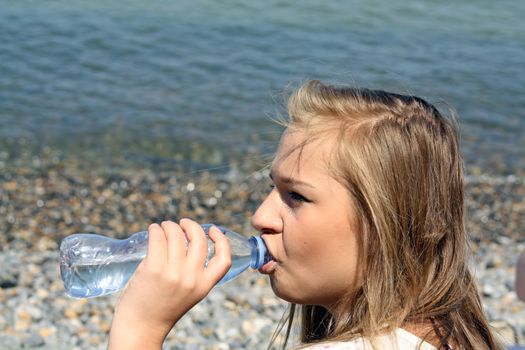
(167, 283)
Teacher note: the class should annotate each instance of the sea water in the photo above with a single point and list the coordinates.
(150, 82)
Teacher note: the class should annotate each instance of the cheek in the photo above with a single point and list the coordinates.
(302, 247)
(309, 254)
(319, 267)
(330, 256)
(317, 236)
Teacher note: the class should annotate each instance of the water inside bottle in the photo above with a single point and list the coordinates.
(99, 275)
(87, 279)
(239, 264)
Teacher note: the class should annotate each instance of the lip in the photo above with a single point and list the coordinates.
(268, 268)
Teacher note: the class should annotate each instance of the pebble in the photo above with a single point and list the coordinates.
(40, 206)
(33, 341)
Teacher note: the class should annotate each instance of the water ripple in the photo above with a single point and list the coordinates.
(202, 72)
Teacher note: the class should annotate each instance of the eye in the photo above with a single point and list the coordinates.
(298, 197)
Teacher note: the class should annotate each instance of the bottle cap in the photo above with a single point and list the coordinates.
(262, 252)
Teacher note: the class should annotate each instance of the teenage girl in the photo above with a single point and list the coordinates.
(365, 224)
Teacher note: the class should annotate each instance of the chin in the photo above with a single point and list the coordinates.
(291, 295)
(301, 296)
(281, 291)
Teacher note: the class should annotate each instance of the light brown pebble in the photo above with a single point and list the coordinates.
(229, 305)
(135, 227)
(207, 331)
(261, 282)
(42, 293)
(11, 331)
(24, 320)
(46, 243)
(46, 332)
(247, 327)
(94, 340)
(104, 326)
(70, 313)
(94, 319)
(79, 304)
(10, 186)
(81, 331)
(61, 302)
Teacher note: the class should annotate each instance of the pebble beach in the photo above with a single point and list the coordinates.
(41, 204)
(113, 117)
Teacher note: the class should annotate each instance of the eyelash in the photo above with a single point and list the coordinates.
(297, 197)
(294, 196)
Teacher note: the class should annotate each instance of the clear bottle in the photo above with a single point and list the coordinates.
(94, 265)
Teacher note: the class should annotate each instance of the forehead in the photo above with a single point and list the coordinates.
(301, 155)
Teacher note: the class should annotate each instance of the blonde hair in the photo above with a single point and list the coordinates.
(399, 158)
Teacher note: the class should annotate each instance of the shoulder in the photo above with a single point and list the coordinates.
(397, 340)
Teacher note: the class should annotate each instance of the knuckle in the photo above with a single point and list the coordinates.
(184, 222)
(153, 226)
(167, 224)
(227, 261)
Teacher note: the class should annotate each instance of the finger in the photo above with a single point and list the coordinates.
(197, 244)
(157, 247)
(176, 242)
(221, 261)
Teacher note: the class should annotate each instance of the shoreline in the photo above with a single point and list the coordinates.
(52, 200)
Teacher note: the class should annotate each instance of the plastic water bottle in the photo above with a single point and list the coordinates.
(94, 265)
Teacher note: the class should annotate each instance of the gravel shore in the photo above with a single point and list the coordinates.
(41, 205)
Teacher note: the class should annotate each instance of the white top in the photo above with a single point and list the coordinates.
(398, 340)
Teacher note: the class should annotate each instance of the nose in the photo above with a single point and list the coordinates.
(267, 218)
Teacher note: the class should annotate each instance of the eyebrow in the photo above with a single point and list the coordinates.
(289, 180)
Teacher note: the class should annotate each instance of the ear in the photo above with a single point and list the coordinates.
(520, 277)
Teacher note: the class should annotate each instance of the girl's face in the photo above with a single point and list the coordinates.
(309, 226)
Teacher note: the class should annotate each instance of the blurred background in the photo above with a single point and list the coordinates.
(174, 81)
(116, 114)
